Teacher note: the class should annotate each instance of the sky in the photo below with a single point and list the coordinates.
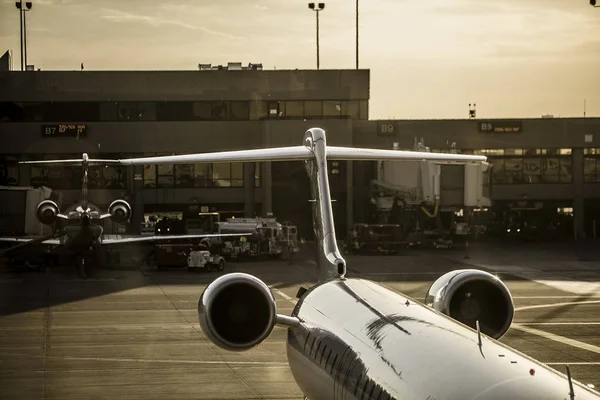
(428, 59)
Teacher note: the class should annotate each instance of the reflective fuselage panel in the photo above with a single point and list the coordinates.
(359, 340)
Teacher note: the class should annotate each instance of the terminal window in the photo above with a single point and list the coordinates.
(9, 171)
(294, 108)
(197, 175)
(332, 108)
(71, 177)
(211, 110)
(132, 111)
(240, 110)
(591, 166)
(524, 166)
(313, 109)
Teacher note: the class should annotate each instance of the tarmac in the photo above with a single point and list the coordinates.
(134, 333)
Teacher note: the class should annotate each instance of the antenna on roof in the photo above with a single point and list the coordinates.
(571, 391)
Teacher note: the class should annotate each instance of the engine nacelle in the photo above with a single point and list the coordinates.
(471, 295)
(47, 212)
(120, 211)
(237, 311)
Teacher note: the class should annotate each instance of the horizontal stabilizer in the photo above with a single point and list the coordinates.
(72, 162)
(301, 153)
(273, 154)
(359, 154)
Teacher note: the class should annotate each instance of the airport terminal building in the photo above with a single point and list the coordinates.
(545, 165)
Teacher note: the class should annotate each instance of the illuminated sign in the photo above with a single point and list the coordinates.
(65, 130)
(500, 126)
(385, 129)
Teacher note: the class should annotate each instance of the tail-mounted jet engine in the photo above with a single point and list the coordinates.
(47, 212)
(237, 311)
(120, 211)
(471, 295)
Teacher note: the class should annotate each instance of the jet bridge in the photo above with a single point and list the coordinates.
(18, 206)
(426, 201)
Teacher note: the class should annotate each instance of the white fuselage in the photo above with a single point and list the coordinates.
(359, 340)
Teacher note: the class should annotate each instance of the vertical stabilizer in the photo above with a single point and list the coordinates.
(84, 184)
(329, 260)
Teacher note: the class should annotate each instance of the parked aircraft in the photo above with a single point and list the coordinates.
(352, 338)
(78, 231)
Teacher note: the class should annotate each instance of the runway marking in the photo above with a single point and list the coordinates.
(201, 362)
(558, 338)
(574, 363)
(399, 273)
(571, 303)
(559, 282)
(285, 296)
(554, 297)
(85, 280)
(559, 323)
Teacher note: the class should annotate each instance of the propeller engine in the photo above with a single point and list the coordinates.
(471, 295)
(47, 212)
(237, 311)
(120, 211)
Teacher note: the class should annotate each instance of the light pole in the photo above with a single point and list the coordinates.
(356, 34)
(28, 6)
(23, 30)
(317, 7)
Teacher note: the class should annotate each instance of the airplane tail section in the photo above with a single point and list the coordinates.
(84, 162)
(315, 153)
(329, 260)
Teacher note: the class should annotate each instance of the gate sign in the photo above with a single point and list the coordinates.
(500, 126)
(65, 130)
(386, 129)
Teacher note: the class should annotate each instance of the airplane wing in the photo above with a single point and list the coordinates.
(301, 153)
(133, 239)
(27, 240)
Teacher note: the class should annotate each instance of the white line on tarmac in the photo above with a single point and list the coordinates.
(548, 278)
(85, 280)
(574, 363)
(400, 273)
(554, 297)
(557, 338)
(139, 360)
(285, 296)
(570, 303)
(559, 323)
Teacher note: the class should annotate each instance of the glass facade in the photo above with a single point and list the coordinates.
(525, 166)
(509, 166)
(132, 111)
(219, 175)
(70, 177)
(202, 175)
